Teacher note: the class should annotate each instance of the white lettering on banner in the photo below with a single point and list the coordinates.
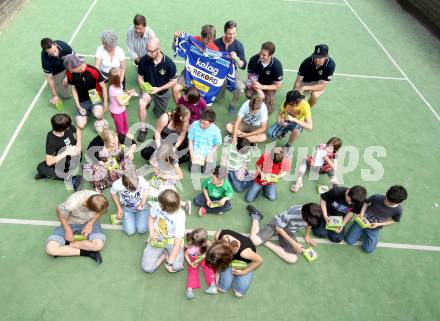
(207, 66)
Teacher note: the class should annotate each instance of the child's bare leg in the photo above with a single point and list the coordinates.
(278, 250)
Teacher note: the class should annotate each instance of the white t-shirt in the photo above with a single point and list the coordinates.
(108, 62)
(168, 225)
(249, 118)
(127, 198)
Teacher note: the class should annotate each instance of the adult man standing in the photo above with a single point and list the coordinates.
(229, 43)
(80, 233)
(314, 73)
(52, 55)
(138, 37)
(265, 73)
(160, 72)
(88, 89)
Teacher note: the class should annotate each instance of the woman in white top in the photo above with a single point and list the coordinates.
(110, 55)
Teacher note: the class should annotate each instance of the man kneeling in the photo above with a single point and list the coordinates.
(80, 232)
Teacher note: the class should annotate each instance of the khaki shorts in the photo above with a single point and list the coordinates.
(62, 91)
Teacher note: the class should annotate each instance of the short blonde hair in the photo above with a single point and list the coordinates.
(169, 201)
(107, 135)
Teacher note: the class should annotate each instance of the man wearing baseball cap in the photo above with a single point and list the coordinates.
(88, 89)
(314, 74)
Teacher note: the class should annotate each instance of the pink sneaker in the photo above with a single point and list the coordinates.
(202, 212)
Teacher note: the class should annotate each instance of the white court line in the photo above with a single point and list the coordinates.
(394, 62)
(37, 96)
(319, 2)
(293, 70)
(211, 233)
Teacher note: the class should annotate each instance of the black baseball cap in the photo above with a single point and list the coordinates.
(321, 51)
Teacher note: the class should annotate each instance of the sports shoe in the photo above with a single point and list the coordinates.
(188, 207)
(283, 135)
(141, 135)
(232, 110)
(77, 182)
(254, 213)
(189, 294)
(202, 212)
(39, 176)
(212, 289)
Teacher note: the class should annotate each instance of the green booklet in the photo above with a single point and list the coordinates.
(322, 189)
(271, 178)
(59, 106)
(199, 259)
(310, 254)
(161, 243)
(114, 220)
(362, 221)
(78, 237)
(146, 86)
(214, 204)
(238, 265)
(334, 223)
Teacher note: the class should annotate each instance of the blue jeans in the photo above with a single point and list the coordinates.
(241, 282)
(370, 237)
(269, 191)
(135, 221)
(320, 231)
(200, 200)
(237, 185)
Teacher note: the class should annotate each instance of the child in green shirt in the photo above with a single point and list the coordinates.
(217, 192)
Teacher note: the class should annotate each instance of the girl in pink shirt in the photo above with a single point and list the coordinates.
(118, 101)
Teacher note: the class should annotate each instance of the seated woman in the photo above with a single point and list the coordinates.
(294, 116)
(172, 128)
(110, 55)
(109, 154)
(251, 122)
(229, 246)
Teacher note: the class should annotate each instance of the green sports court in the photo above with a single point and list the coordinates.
(385, 92)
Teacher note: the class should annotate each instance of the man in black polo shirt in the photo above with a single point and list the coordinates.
(265, 73)
(88, 89)
(229, 43)
(314, 73)
(160, 71)
(52, 55)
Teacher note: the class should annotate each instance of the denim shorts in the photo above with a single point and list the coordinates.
(240, 283)
(59, 232)
(88, 106)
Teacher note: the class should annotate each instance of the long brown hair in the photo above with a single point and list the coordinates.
(177, 115)
(336, 142)
(219, 255)
(114, 77)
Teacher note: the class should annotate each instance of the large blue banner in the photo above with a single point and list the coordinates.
(205, 68)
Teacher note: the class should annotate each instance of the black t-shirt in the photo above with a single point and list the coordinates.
(157, 75)
(310, 73)
(55, 143)
(337, 204)
(236, 46)
(378, 212)
(97, 142)
(54, 65)
(245, 243)
(85, 81)
(266, 75)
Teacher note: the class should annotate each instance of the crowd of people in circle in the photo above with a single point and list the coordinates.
(189, 133)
